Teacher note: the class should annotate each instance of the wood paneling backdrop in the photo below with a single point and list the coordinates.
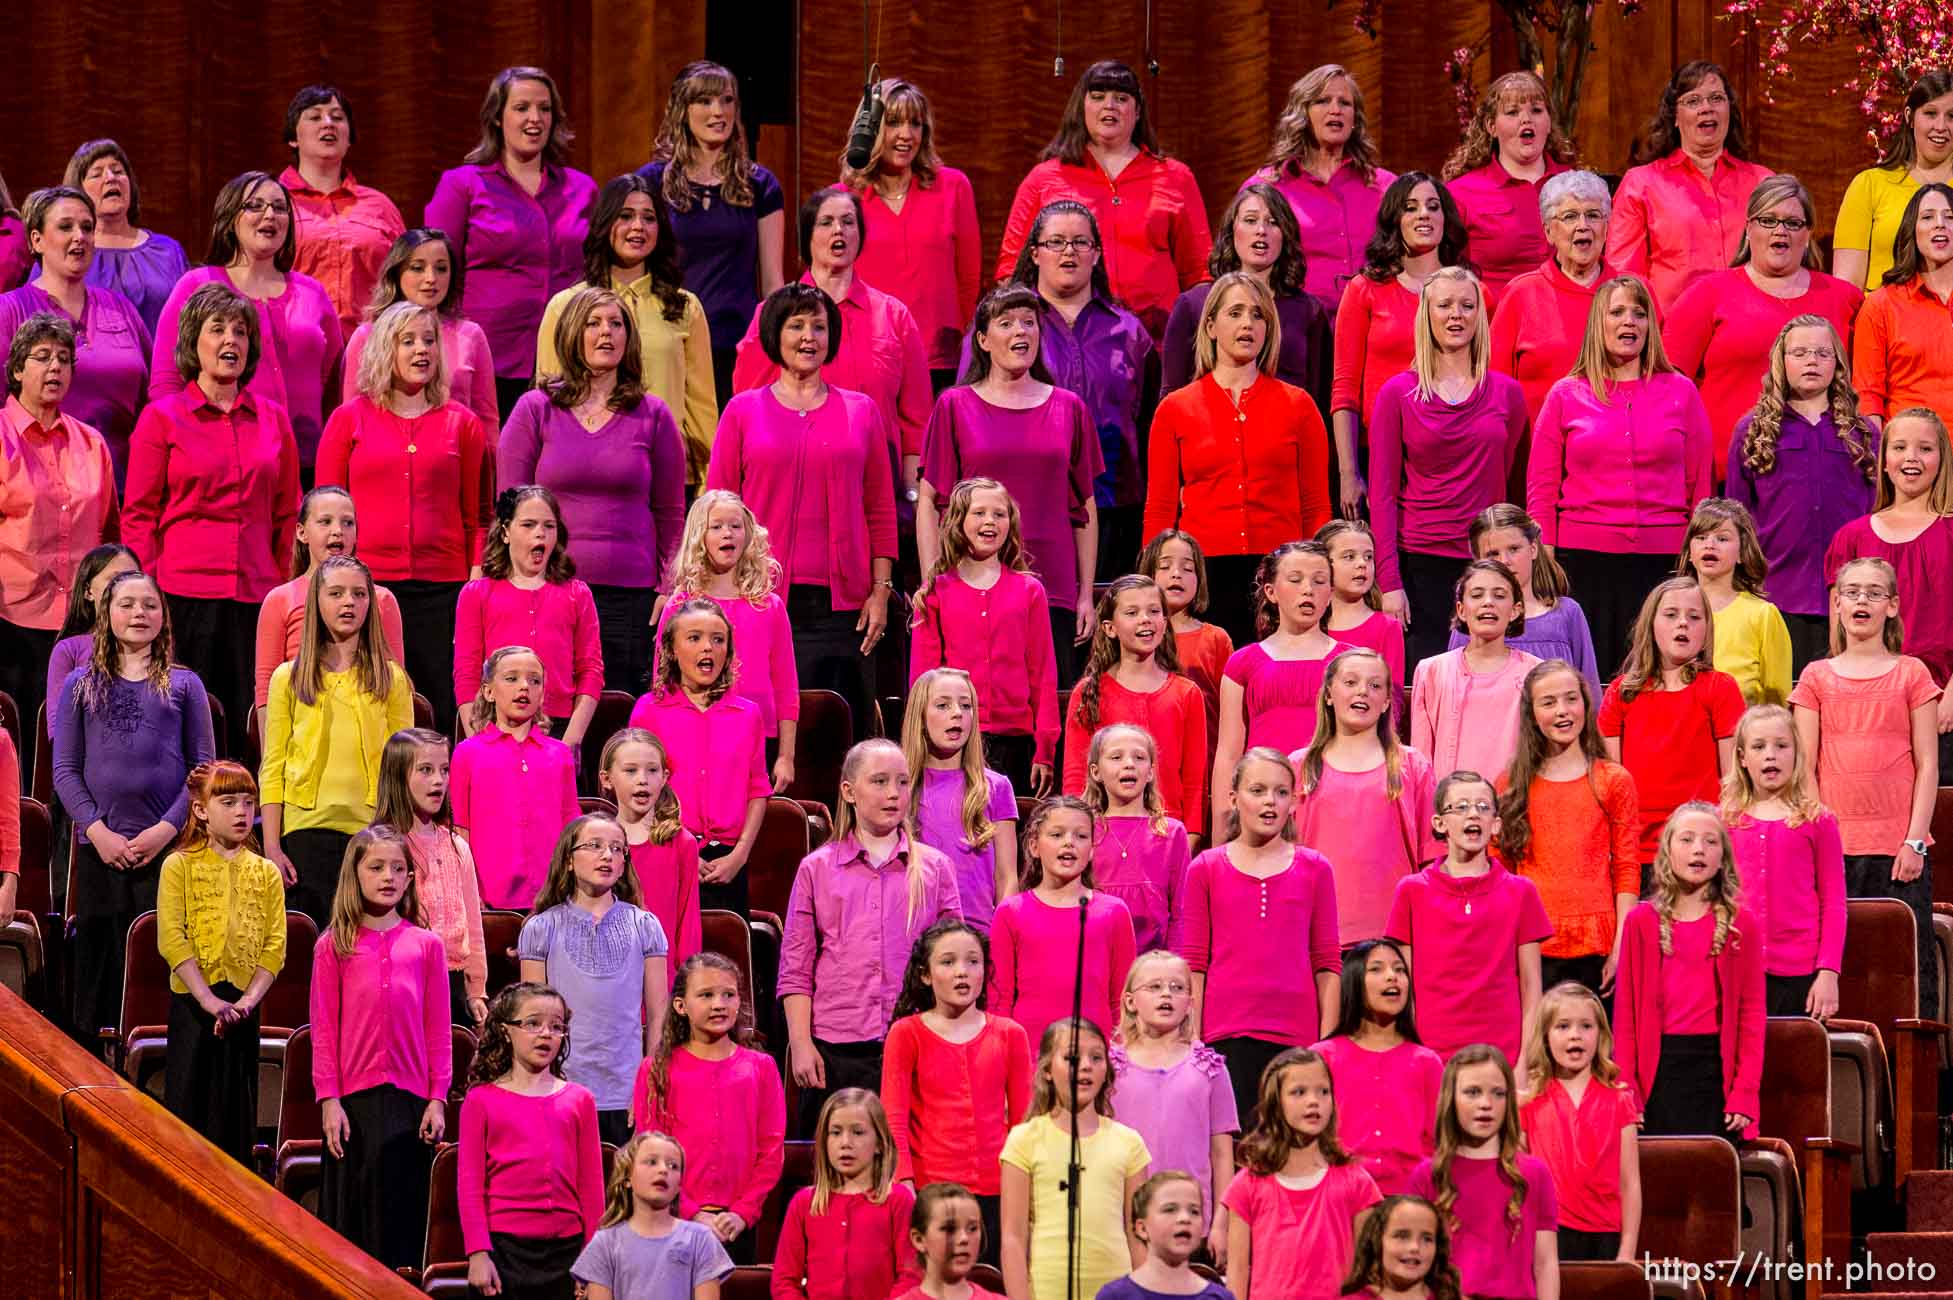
(196, 91)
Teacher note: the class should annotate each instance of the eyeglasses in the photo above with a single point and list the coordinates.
(1694, 102)
(1863, 593)
(1592, 216)
(1463, 809)
(1791, 224)
(1056, 244)
(48, 357)
(1172, 988)
(602, 848)
(257, 207)
(1809, 354)
(541, 1028)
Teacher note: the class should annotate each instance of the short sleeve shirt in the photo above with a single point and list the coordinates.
(631, 1264)
(597, 964)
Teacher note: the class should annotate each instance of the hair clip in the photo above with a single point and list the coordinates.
(505, 505)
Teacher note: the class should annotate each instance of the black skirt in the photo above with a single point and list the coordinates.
(1686, 1098)
(534, 1268)
(211, 1082)
(377, 1195)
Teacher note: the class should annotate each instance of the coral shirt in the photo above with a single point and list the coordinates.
(343, 239)
(1241, 479)
(1902, 354)
(1672, 225)
(57, 502)
(950, 1104)
(1580, 1141)
(1174, 715)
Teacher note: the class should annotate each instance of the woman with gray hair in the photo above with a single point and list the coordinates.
(1542, 318)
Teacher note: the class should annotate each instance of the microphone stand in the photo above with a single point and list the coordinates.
(1074, 1166)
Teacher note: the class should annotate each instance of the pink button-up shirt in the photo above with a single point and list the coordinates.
(1337, 217)
(213, 495)
(850, 929)
(57, 501)
(1502, 217)
(380, 1015)
(1622, 475)
(771, 456)
(929, 256)
(1537, 336)
(464, 355)
(557, 620)
(512, 798)
(343, 238)
(709, 748)
(1673, 225)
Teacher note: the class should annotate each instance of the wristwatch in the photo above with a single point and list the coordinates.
(1917, 846)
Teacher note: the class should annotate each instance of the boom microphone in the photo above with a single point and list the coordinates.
(867, 126)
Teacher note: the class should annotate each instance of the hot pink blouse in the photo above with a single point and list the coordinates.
(930, 256)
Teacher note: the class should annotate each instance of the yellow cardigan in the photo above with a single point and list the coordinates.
(295, 738)
(229, 915)
(1753, 646)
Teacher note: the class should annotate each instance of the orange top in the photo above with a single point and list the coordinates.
(1242, 480)
(1902, 352)
(1584, 850)
(1865, 768)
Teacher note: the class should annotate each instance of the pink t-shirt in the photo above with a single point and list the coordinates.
(1688, 979)
(1244, 935)
(1371, 840)
(1468, 720)
(512, 798)
(1581, 1144)
(1033, 955)
(709, 749)
(1386, 1106)
(762, 655)
(1465, 935)
(1491, 1258)
(1864, 747)
(1278, 696)
(1793, 878)
(1302, 1237)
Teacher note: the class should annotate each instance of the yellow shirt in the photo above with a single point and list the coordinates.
(322, 760)
(1112, 1154)
(228, 914)
(1753, 646)
(1869, 217)
(677, 358)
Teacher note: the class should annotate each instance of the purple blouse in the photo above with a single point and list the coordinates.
(1306, 358)
(518, 250)
(622, 487)
(1106, 357)
(939, 824)
(144, 274)
(1814, 490)
(721, 243)
(112, 347)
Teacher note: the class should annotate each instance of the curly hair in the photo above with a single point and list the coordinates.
(955, 548)
(1366, 1253)
(678, 148)
(917, 996)
(1479, 147)
(677, 1029)
(1758, 448)
(1295, 143)
(1725, 891)
(105, 653)
(755, 573)
(495, 1058)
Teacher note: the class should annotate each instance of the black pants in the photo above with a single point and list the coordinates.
(1584, 971)
(1430, 589)
(1686, 1099)
(1066, 653)
(1011, 757)
(1119, 540)
(1246, 1059)
(849, 1065)
(614, 1127)
(509, 391)
(1810, 638)
(427, 627)
(24, 652)
(827, 653)
(211, 1082)
(991, 1208)
(1231, 596)
(1785, 995)
(534, 1268)
(624, 625)
(1579, 1244)
(1869, 875)
(217, 640)
(376, 1196)
(722, 361)
(1610, 588)
(106, 904)
(733, 896)
(317, 854)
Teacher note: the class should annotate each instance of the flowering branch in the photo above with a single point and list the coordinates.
(1895, 41)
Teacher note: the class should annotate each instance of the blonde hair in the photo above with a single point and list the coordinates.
(1259, 754)
(1592, 364)
(1768, 193)
(665, 820)
(905, 103)
(484, 707)
(1739, 790)
(1536, 1057)
(1310, 774)
(755, 573)
(678, 148)
(844, 817)
(1939, 499)
(1758, 449)
(1893, 635)
(1725, 892)
(955, 544)
(977, 826)
(1295, 143)
(827, 1179)
(375, 378)
(619, 1201)
(370, 656)
(1044, 1088)
(1129, 1017)
(1424, 333)
(1095, 795)
(1207, 349)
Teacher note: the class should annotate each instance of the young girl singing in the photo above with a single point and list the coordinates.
(513, 786)
(1581, 1120)
(1464, 702)
(1254, 906)
(635, 772)
(1555, 625)
(1670, 717)
(1402, 1252)
(1497, 1201)
(1722, 553)
(1472, 927)
(530, 1179)
(1569, 822)
(946, 1229)
(1689, 1002)
(962, 809)
(1294, 1204)
(987, 615)
(1037, 933)
(1167, 1212)
(847, 1235)
(329, 716)
(642, 1250)
(529, 594)
(1789, 857)
(93, 572)
(717, 742)
(1174, 560)
(327, 526)
(1036, 1155)
(1132, 674)
(1174, 1089)
(590, 940)
(382, 1057)
(953, 1076)
(1356, 614)
(414, 801)
(1386, 1079)
(220, 925)
(720, 1097)
(1149, 873)
(1363, 792)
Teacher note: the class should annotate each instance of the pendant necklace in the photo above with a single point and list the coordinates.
(1125, 842)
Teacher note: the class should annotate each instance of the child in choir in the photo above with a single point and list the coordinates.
(1722, 553)
(1670, 717)
(220, 925)
(327, 525)
(590, 940)
(129, 728)
(530, 1178)
(1790, 858)
(1386, 1079)
(718, 1096)
(1173, 1088)
(1293, 1206)
(1258, 906)
(946, 1228)
(382, 1054)
(1073, 1091)
(98, 566)
(1269, 691)
(1167, 1213)
(330, 712)
(1555, 626)
(414, 801)
(513, 786)
(859, 903)
(529, 594)
(1149, 874)
(1465, 702)
(1402, 1252)
(1497, 1200)
(1570, 823)
(1867, 717)
(1174, 560)
(1132, 674)
(988, 615)
(1579, 1117)
(847, 1235)
(1038, 932)
(1690, 1000)
(963, 810)
(1472, 927)
(1356, 614)
(725, 555)
(1363, 793)
(635, 773)
(953, 1076)
(717, 742)
(642, 1250)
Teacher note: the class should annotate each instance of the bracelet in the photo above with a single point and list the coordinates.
(885, 582)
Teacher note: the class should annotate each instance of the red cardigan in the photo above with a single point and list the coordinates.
(1739, 980)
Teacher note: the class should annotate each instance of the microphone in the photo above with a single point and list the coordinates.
(867, 126)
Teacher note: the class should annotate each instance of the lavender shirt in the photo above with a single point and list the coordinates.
(598, 967)
(939, 824)
(124, 764)
(1178, 1110)
(622, 488)
(1306, 358)
(721, 243)
(1560, 633)
(144, 274)
(112, 347)
(1814, 490)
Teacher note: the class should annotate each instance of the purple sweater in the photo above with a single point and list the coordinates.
(125, 763)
